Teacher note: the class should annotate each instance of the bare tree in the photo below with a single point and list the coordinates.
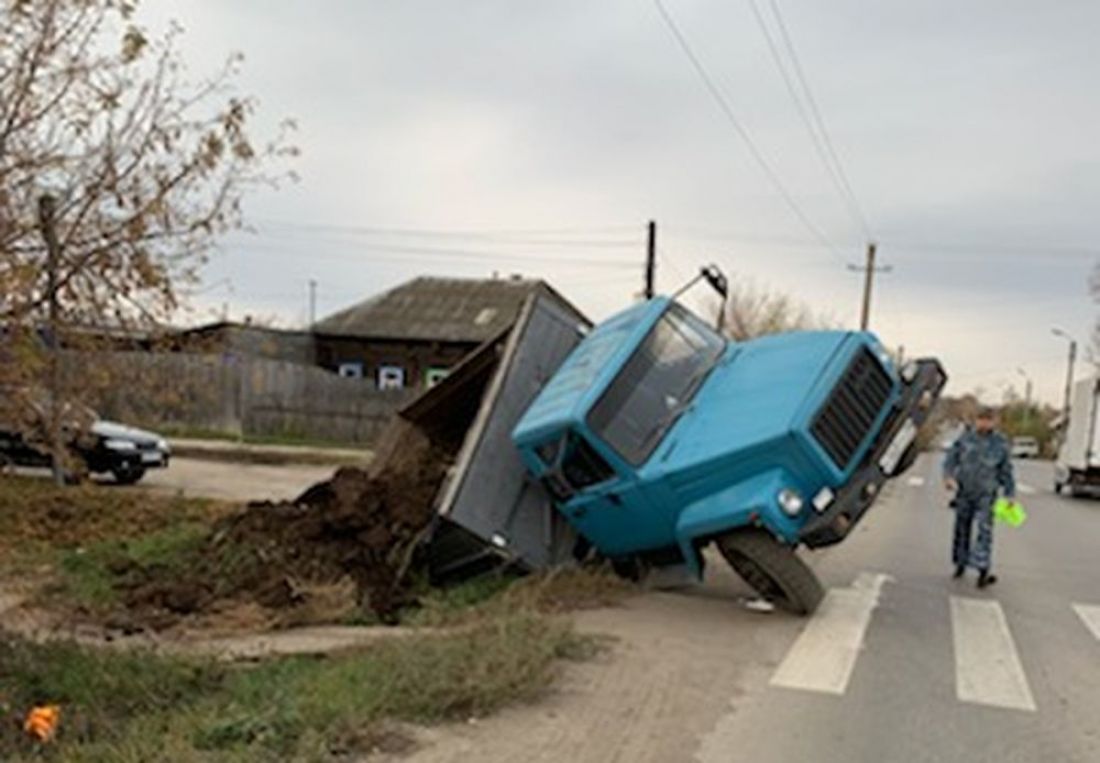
(147, 168)
(752, 311)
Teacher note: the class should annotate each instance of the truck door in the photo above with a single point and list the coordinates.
(604, 506)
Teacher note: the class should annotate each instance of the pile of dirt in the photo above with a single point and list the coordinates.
(360, 525)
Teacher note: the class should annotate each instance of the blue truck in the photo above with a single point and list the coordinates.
(658, 436)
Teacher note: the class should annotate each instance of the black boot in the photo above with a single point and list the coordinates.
(986, 578)
(959, 571)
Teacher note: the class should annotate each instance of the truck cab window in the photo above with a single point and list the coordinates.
(655, 385)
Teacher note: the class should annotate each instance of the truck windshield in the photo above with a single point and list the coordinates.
(655, 385)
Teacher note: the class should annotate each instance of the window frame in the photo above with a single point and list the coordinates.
(598, 422)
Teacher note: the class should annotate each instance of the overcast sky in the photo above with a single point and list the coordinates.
(970, 133)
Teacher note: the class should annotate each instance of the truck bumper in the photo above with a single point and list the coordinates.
(882, 462)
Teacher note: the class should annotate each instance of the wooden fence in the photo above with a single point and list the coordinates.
(234, 395)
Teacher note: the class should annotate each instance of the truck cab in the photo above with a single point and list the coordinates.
(658, 435)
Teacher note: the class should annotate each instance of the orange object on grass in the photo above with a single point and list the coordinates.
(41, 722)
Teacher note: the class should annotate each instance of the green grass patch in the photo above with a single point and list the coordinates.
(89, 577)
(144, 707)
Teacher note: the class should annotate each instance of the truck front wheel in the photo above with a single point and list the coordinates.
(773, 570)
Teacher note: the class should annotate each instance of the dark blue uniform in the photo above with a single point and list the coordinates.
(980, 463)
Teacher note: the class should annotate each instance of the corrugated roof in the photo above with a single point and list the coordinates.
(439, 309)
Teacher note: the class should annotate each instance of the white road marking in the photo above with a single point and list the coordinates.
(987, 666)
(1026, 489)
(822, 658)
(915, 482)
(1090, 616)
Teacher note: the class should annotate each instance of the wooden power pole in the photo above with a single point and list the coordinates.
(651, 259)
(868, 271)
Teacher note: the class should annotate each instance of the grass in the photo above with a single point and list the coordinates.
(39, 521)
(89, 576)
(553, 592)
(504, 645)
(145, 707)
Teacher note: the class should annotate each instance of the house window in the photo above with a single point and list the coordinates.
(434, 376)
(391, 377)
(350, 370)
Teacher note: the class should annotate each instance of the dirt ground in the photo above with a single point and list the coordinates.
(359, 525)
(650, 697)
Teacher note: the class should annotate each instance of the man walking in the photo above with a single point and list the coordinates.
(977, 465)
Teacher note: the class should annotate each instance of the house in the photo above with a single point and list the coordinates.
(240, 340)
(413, 334)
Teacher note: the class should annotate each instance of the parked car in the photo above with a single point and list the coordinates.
(103, 447)
(658, 436)
(1025, 447)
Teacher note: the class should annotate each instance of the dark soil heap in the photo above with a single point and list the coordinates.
(362, 524)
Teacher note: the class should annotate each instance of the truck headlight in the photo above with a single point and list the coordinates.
(790, 501)
(124, 445)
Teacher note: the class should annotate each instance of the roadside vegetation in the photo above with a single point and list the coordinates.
(467, 649)
(143, 707)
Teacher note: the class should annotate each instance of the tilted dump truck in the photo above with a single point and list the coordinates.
(657, 436)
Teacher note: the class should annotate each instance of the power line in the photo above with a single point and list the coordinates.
(789, 45)
(821, 143)
(954, 249)
(743, 133)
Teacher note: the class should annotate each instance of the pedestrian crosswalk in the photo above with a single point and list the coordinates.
(822, 658)
(988, 670)
(987, 665)
(1090, 616)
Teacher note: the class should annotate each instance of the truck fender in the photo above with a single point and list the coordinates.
(741, 505)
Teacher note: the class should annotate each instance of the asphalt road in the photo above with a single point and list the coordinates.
(905, 664)
(234, 481)
(901, 663)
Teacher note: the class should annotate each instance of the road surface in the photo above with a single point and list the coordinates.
(235, 482)
(900, 664)
(222, 480)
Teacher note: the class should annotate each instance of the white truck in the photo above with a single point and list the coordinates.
(1078, 466)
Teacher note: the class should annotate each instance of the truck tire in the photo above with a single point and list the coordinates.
(773, 570)
(128, 475)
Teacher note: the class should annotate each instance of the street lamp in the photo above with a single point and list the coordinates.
(1069, 372)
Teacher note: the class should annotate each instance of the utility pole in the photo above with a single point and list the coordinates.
(1069, 374)
(651, 259)
(312, 302)
(868, 271)
(47, 209)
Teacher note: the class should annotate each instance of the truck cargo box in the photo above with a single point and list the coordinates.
(489, 512)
